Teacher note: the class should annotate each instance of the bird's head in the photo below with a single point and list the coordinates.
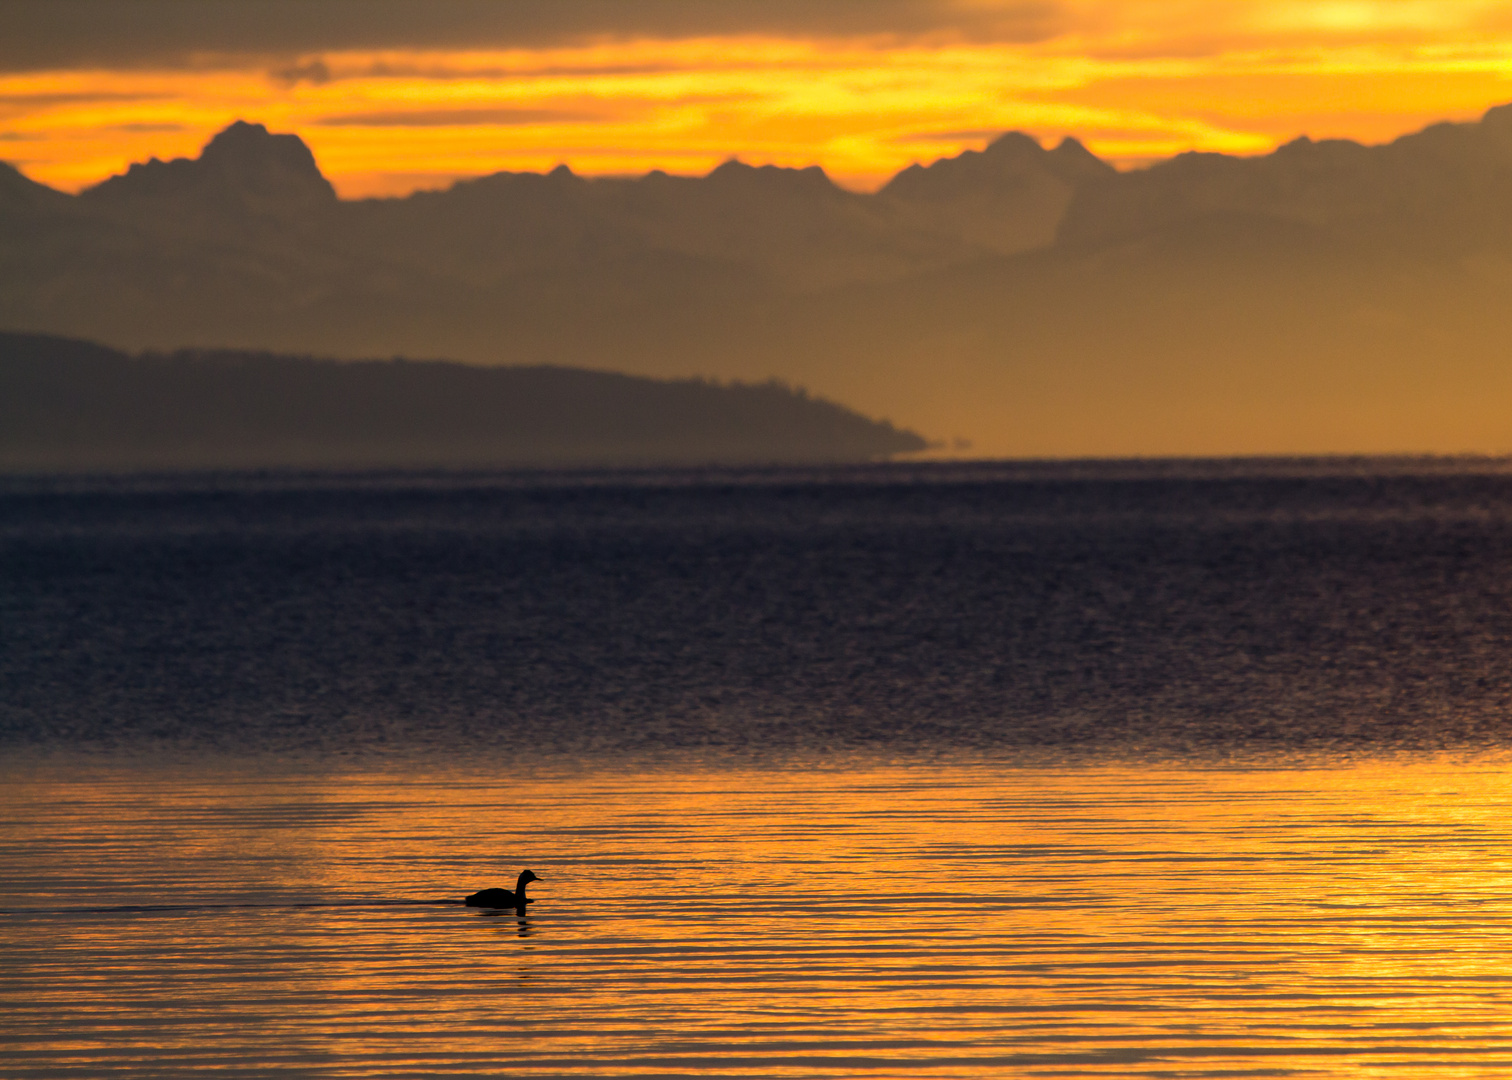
(528, 875)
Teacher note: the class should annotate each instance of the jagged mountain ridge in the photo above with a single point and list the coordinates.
(1007, 198)
(1033, 300)
(792, 226)
(246, 246)
(1444, 188)
(243, 168)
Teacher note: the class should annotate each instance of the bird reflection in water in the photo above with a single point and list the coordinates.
(522, 924)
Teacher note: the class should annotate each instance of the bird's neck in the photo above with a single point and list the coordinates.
(520, 887)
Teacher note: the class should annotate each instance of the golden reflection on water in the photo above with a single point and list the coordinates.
(965, 919)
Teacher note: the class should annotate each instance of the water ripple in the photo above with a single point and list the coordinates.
(974, 919)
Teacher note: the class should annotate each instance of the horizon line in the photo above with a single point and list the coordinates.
(451, 180)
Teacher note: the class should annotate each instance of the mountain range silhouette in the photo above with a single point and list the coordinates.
(1328, 296)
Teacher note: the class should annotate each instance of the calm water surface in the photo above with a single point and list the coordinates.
(1105, 769)
(1328, 918)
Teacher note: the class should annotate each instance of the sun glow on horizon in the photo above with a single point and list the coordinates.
(1135, 82)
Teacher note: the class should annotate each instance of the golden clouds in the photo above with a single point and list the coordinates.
(862, 91)
(1370, 16)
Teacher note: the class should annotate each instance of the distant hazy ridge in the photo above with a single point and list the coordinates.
(72, 405)
(1327, 297)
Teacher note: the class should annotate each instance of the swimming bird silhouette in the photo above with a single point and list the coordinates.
(503, 897)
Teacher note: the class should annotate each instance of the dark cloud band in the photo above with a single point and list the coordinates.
(47, 34)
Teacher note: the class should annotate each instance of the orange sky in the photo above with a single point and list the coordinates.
(393, 98)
